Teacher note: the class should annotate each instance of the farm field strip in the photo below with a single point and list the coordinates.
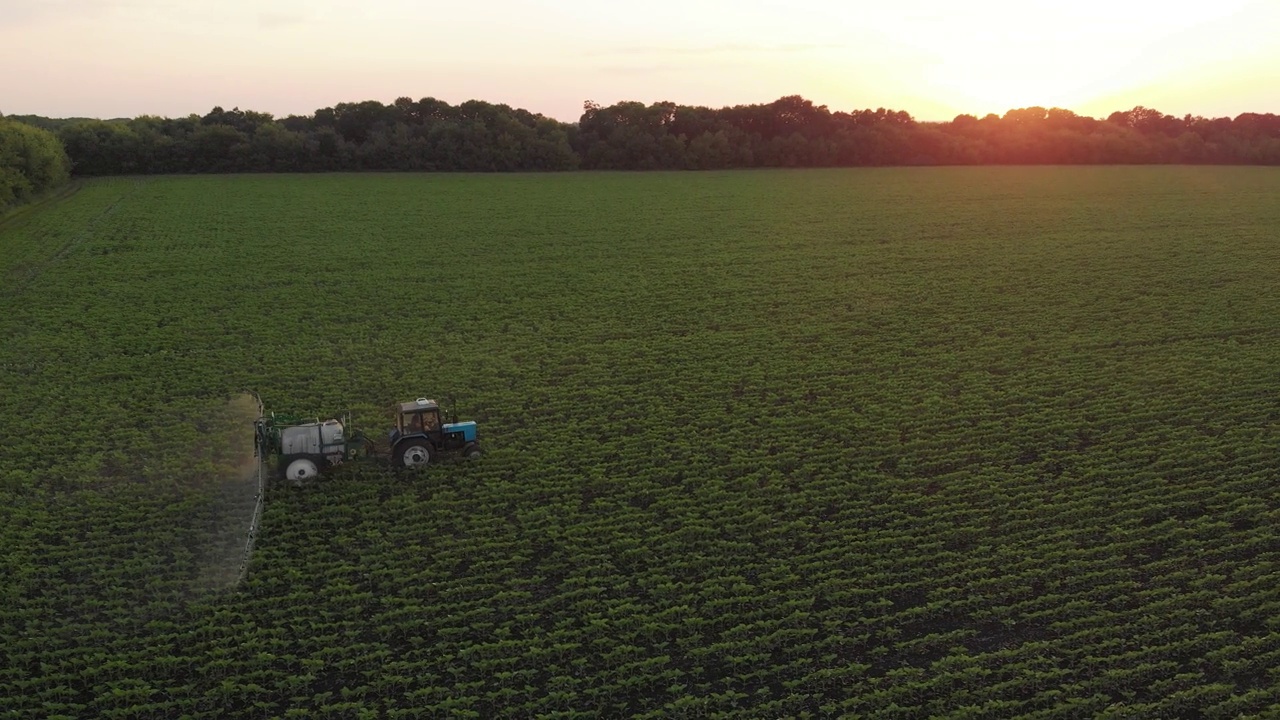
(996, 442)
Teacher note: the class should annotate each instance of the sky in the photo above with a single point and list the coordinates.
(933, 58)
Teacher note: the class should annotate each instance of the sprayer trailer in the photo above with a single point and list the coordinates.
(302, 448)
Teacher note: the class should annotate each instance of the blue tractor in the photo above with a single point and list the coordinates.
(420, 435)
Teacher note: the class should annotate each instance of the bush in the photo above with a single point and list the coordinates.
(32, 161)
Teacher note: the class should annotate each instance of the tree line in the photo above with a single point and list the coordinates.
(432, 135)
(32, 162)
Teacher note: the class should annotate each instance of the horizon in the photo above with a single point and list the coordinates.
(387, 103)
(128, 58)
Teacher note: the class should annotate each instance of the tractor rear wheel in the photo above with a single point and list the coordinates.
(413, 454)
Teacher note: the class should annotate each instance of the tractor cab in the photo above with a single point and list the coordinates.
(418, 417)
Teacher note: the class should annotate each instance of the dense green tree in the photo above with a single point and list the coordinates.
(710, 151)
(275, 148)
(97, 147)
(431, 135)
(247, 122)
(32, 161)
(219, 148)
(357, 121)
(424, 135)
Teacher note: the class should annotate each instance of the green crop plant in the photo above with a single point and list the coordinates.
(988, 442)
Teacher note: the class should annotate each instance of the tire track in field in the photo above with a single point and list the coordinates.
(16, 217)
(24, 273)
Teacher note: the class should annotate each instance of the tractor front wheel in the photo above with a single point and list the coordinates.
(413, 454)
(471, 451)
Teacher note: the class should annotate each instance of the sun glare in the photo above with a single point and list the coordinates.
(1051, 61)
(993, 82)
(997, 55)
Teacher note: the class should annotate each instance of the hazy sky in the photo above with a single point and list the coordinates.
(932, 58)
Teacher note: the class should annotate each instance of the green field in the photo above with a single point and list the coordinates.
(885, 443)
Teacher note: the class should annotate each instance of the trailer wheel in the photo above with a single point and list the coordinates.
(300, 471)
(413, 454)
